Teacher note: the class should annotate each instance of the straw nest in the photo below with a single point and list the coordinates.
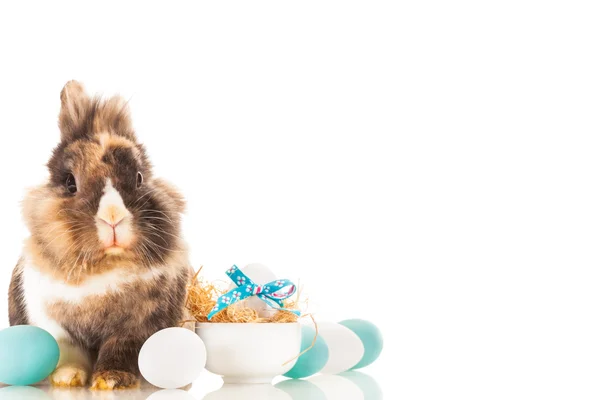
(202, 297)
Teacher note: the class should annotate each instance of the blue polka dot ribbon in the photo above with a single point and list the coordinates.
(272, 293)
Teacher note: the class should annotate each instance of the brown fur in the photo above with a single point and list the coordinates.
(157, 305)
(17, 315)
(97, 143)
(84, 116)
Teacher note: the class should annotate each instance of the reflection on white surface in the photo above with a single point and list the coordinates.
(350, 385)
(301, 389)
(172, 394)
(45, 392)
(337, 387)
(347, 386)
(22, 393)
(369, 386)
(143, 393)
(248, 391)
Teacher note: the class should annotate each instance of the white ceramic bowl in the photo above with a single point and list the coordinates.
(250, 353)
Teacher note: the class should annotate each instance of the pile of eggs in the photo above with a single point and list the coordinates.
(348, 345)
(175, 357)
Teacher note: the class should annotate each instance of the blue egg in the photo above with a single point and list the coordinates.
(313, 360)
(28, 355)
(371, 338)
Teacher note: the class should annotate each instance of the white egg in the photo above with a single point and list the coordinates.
(345, 347)
(172, 358)
(260, 274)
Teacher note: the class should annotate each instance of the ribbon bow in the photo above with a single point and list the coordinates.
(272, 293)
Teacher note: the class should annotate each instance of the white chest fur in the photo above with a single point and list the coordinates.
(40, 289)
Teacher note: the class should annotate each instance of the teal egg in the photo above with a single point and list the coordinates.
(28, 355)
(371, 338)
(313, 360)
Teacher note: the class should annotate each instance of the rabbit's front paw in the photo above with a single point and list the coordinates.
(69, 375)
(110, 380)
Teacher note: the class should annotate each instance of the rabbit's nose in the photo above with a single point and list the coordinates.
(112, 221)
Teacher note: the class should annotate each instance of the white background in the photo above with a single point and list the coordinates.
(429, 165)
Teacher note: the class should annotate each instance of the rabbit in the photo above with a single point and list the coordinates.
(105, 266)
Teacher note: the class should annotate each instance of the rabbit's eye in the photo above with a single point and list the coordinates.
(71, 184)
(140, 179)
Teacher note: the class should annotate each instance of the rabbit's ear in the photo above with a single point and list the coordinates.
(74, 109)
(113, 116)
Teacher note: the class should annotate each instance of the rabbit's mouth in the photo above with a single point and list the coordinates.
(114, 250)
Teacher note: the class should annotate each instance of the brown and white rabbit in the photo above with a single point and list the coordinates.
(104, 267)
